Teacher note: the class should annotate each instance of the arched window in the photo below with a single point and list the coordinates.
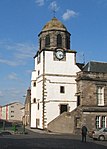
(59, 40)
(40, 43)
(67, 42)
(47, 41)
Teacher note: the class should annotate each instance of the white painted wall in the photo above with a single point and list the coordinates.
(57, 73)
(67, 67)
(4, 113)
(33, 115)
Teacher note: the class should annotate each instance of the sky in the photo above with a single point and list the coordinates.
(22, 20)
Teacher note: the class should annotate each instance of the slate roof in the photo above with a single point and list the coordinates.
(92, 66)
(80, 65)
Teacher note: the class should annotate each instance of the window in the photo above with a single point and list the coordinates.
(40, 43)
(105, 130)
(67, 42)
(12, 111)
(12, 115)
(38, 59)
(62, 89)
(47, 41)
(59, 40)
(34, 100)
(103, 122)
(38, 72)
(97, 121)
(34, 84)
(38, 106)
(77, 122)
(100, 96)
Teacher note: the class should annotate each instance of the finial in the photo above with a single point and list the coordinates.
(54, 8)
(54, 11)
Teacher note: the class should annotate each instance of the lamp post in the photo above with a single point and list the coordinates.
(24, 116)
(3, 125)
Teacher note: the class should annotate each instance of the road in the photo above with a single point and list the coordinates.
(36, 140)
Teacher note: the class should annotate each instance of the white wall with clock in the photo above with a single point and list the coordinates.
(60, 66)
(57, 73)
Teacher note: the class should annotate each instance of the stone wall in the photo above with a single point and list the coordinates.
(62, 124)
(87, 83)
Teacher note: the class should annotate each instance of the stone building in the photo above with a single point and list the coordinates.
(27, 109)
(92, 95)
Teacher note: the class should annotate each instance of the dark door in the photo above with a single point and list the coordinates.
(63, 108)
(78, 101)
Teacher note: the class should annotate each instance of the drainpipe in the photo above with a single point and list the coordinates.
(43, 87)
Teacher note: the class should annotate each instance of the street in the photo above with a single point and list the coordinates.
(34, 140)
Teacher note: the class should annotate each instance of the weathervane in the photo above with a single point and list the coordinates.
(54, 8)
(54, 12)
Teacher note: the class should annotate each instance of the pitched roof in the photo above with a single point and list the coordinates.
(96, 67)
(12, 103)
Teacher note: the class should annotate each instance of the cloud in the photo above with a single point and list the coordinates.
(80, 57)
(12, 76)
(9, 62)
(16, 53)
(40, 2)
(28, 71)
(68, 14)
(53, 6)
(102, 2)
(13, 94)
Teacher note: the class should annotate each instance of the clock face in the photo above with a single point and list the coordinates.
(59, 54)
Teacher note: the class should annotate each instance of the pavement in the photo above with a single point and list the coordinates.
(41, 131)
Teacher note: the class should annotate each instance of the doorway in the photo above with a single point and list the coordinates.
(63, 108)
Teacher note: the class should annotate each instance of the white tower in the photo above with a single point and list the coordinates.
(53, 84)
